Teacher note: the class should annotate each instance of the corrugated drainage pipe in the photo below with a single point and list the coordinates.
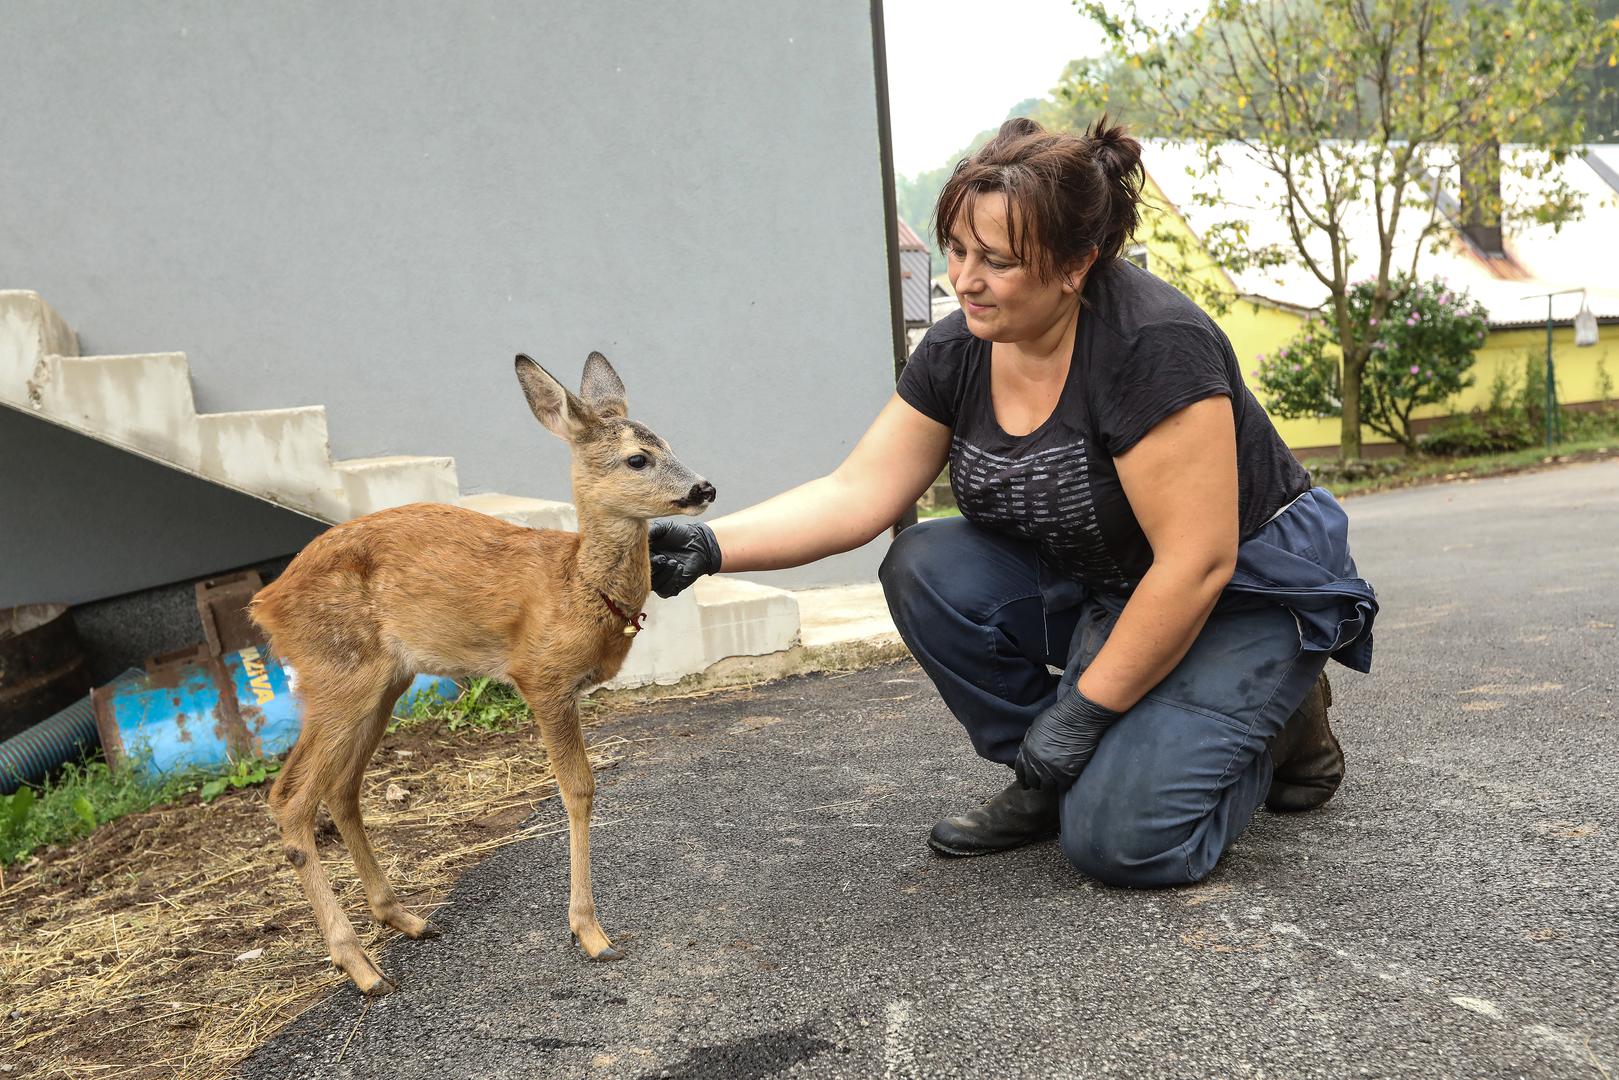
(56, 740)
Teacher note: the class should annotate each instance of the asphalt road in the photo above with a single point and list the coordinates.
(1453, 912)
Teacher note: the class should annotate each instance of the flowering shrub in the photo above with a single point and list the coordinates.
(1300, 379)
(1420, 353)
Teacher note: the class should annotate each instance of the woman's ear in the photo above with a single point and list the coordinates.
(1073, 278)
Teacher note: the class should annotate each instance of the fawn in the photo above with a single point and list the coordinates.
(436, 588)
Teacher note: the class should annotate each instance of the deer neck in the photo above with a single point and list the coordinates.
(613, 558)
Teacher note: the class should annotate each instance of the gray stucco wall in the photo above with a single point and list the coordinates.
(372, 206)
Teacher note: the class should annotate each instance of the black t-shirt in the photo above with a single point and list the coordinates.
(1142, 351)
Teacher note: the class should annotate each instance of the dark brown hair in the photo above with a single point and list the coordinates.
(1068, 194)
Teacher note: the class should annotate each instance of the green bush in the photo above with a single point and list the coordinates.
(1477, 433)
(1300, 379)
(1581, 424)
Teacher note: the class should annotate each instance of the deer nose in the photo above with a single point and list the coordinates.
(701, 493)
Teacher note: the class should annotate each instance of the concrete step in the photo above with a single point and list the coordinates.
(716, 618)
(29, 331)
(669, 648)
(743, 618)
(534, 513)
(376, 483)
(142, 402)
(845, 613)
(279, 454)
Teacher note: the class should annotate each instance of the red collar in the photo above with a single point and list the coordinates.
(632, 626)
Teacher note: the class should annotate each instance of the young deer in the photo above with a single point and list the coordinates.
(436, 588)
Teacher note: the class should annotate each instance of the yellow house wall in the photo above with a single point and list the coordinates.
(1256, 329)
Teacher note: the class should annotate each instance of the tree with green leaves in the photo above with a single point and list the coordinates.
(1379, 108)
(1421, 353)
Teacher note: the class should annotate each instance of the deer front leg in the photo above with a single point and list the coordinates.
(565, 743)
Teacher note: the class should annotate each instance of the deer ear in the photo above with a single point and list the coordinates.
(563, 415)
(601, 388)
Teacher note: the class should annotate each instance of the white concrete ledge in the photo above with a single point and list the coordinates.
(534, 513)
(29, 331)
(741, 618)
(846, 613)
(280, 454)
(142, 402)
(371, 484)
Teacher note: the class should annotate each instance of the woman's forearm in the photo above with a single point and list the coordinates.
(823, 517)
(901, 453)
(1159, 623)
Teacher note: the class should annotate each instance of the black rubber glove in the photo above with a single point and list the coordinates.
(681, 554)
(1060, 742)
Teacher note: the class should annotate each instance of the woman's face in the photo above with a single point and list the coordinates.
(1004, 299)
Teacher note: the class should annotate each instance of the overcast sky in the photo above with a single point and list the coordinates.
(956, 66)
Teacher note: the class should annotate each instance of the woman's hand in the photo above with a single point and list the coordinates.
(1060, 742)
(681, 554)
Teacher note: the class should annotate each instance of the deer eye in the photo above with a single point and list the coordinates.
(637, 461)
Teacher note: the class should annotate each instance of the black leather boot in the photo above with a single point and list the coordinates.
(1015, 817)
(1308, 761)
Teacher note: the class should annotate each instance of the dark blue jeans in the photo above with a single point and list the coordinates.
(1178, 777)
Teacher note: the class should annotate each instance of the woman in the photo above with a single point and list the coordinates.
(1128, 515)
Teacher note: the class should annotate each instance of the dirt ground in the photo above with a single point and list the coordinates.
(171, 943)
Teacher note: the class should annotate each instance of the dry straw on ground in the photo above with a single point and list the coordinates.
(172, 943)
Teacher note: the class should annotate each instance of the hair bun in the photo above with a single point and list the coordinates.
(1119, 154)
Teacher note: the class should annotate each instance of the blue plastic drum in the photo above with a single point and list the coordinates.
(205, 714)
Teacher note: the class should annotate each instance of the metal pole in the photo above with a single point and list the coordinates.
(1553, 420)
(1551, 383)
(885, 150)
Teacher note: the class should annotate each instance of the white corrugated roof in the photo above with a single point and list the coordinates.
(1605, 160)
(1582, 254)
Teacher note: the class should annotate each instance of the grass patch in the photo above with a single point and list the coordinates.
(82, 797)
(1402, 472)
(484, 705)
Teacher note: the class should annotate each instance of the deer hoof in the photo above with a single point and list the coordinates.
(358, 967)
(599, 948)
(412, 926)
(381, 988)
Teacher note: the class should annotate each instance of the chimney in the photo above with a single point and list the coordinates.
(1481, 199)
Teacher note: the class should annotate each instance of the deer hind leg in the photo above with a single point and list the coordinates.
(558, 717)
(345, 807)
(334, 742)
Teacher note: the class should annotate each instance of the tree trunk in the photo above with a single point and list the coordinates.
(1408, 436)
(1349, 435)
